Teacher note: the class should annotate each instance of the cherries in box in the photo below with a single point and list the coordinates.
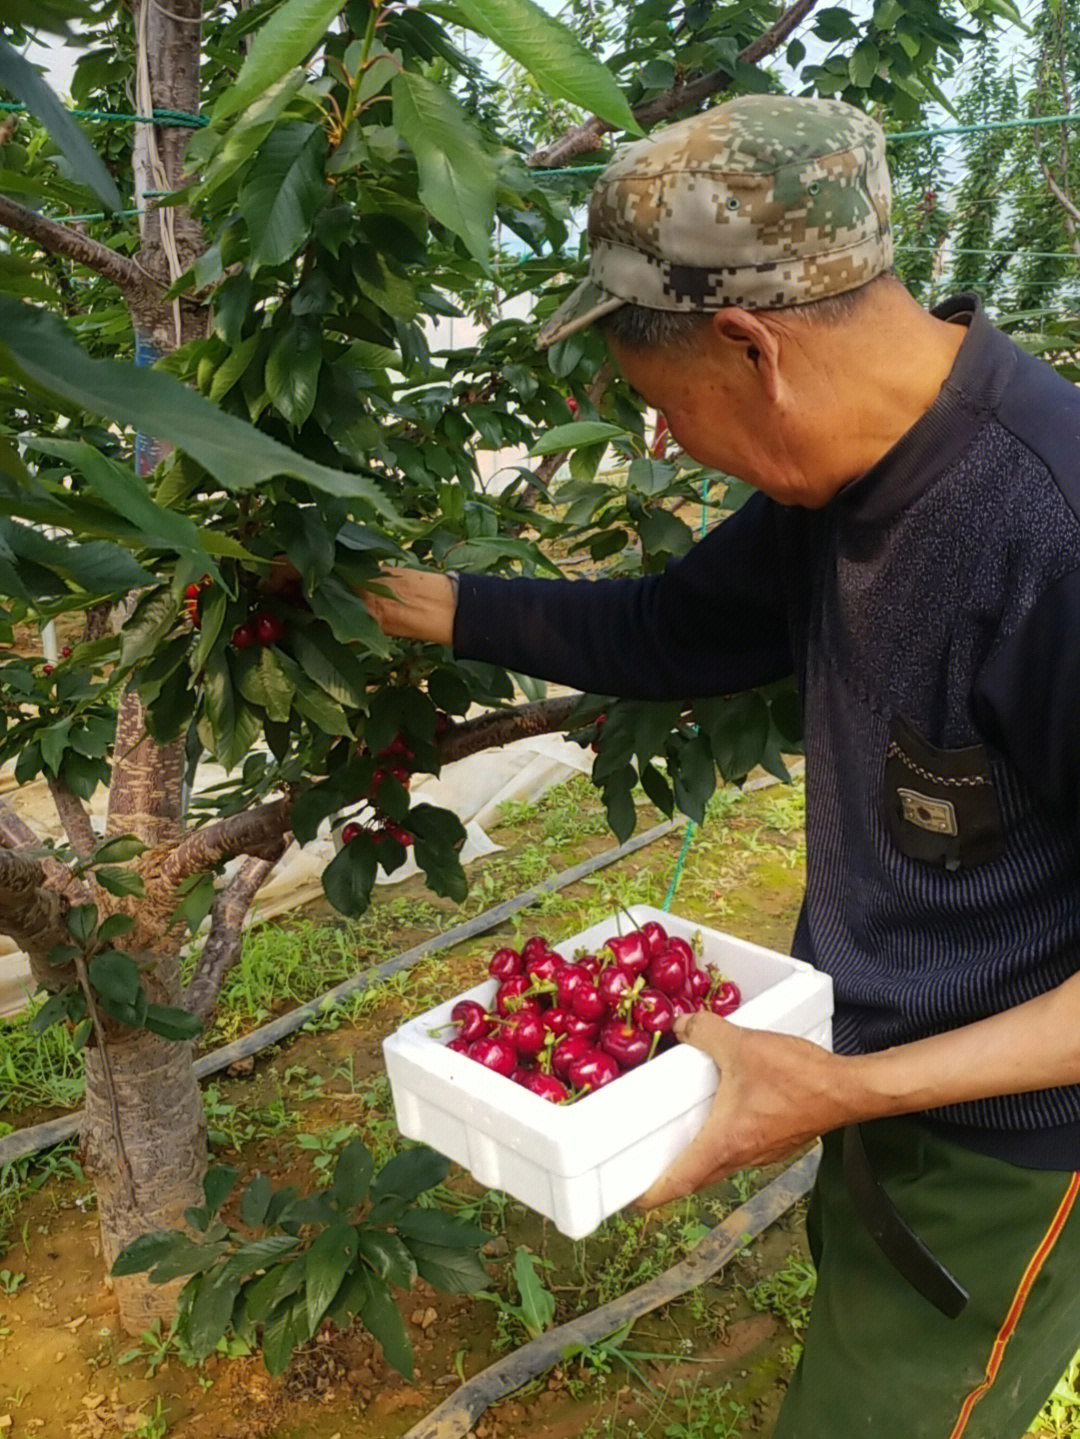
(579, 1163)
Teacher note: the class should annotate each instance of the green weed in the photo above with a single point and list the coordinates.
(787, 1292)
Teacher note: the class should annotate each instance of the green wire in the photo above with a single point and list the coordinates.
(179, 118)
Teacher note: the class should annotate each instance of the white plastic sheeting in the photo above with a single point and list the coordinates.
(474, 788)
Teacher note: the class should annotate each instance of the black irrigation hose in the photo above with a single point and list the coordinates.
(456, 1416)
(43, 1136)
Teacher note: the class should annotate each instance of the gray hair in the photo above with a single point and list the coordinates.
(636, 327)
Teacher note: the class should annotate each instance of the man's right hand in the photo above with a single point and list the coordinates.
(413, 604)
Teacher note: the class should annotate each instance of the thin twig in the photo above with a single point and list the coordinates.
(110, 1085)
(683, 95)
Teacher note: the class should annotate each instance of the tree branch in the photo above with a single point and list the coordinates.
(501, 726)
(226, 937)
(683, 95)
(16, 834)
(31, 914)
(73, 245)
(256, 832)
(550, 465)
(74, 818)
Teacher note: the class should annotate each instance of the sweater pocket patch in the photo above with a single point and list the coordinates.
(941, 806)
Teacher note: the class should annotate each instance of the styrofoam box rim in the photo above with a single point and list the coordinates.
(782, 994)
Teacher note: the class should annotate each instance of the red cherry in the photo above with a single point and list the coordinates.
(725, 998)
(556, 1020)
(515, 994)
(268, 628)
(653, 1012)
(684, 949)
(614, 985)
(667, 973)
(472, 1020)
(698, 983)
(588, 1003)
(398, 834)
(543, 966)
(503, 963)
(655, 937)
(534, 947)
(458, 1045)
(402, 774)
(568, 980)
(630, 950)
(66, 652)
(593, 1070)
(568, 1049)
(526, 1033)
(192, 592)
(243, 637)
(582, 1028)
(571, 404)
(627, 1045)
(547, 1087)
(494, 1054)
(442, 722)
(46, 669)
(351, 831)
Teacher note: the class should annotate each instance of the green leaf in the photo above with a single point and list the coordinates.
(284, 1330)
(153, 617)
(537, 1302)
(120, 882)
(292, 371)
(146, 1251)
(260, 1253)
(388, 1257)
(328, 1260)
(113, 926)
(186, 1258)
(171, 1022)
(693, 775)
(407, 1175)
(380, 1316)
(573, 436)
(452, 1270)
(333, 666)
(20, 78)
(352, 1174)
(737, 729)
(282, 192)
(82, 921)
(115, 975)
(348, 878)
(211, 1310)
(864, 63)
(553, 55)
(256, 1201)
(433, 1226)
(118, 851)
(37, 349)
(218, 1185)
(457, 175)
(265, 681)
(291, 33)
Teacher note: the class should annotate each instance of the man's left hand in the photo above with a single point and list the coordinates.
(775, 1095)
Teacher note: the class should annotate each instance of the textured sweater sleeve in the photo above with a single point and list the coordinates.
(713, 622)
(1026, 698)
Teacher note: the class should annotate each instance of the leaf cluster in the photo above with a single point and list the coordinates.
(297, 1262)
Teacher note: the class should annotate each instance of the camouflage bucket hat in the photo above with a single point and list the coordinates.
(765, 201)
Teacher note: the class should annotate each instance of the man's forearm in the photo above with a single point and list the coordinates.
(1034, 1046)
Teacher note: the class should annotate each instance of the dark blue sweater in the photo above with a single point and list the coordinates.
(931, 615)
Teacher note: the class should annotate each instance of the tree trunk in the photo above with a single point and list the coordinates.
(144, 1135)
(160, 1112)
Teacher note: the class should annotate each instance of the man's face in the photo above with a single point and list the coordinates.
(717, 407)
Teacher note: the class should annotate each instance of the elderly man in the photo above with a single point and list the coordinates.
(913, 557)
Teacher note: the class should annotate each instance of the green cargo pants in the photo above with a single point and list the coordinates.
(879, 1359)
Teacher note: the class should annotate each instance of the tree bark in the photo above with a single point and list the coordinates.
(161, 1118)
(74, 818)
(72, 244)
(684, 95)
(502, 726)
(226, 937)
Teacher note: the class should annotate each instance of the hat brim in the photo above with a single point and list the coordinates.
(587, 304)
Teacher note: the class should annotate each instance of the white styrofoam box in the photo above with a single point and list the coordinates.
(578, 1163)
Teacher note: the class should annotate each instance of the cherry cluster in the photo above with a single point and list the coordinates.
(262, 628)
(395, 761)
(562, 1028)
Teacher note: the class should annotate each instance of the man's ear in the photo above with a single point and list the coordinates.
(755, 342)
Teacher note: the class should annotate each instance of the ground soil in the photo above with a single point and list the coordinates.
(62, 1374)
